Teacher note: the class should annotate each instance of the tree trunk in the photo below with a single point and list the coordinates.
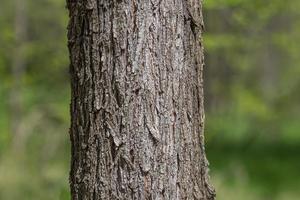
(137, 115)
(17, 73)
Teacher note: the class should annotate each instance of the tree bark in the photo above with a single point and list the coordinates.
(137, 115)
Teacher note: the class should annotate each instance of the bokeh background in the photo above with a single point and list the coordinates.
(252, 87)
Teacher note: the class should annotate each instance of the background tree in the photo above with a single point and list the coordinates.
(17, 71)
(137, 100)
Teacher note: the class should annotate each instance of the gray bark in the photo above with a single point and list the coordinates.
(137, 115)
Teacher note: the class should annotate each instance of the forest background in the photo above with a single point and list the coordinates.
(252, 99)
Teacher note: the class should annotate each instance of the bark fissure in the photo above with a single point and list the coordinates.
(137, 100)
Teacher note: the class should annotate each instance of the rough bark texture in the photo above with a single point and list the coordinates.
(137, 100)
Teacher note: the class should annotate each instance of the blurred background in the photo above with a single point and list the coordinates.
(252, 88)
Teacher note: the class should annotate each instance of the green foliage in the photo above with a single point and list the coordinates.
(39, 168)
(252, 99)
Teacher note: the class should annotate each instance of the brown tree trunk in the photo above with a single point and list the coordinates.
(137, 115)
